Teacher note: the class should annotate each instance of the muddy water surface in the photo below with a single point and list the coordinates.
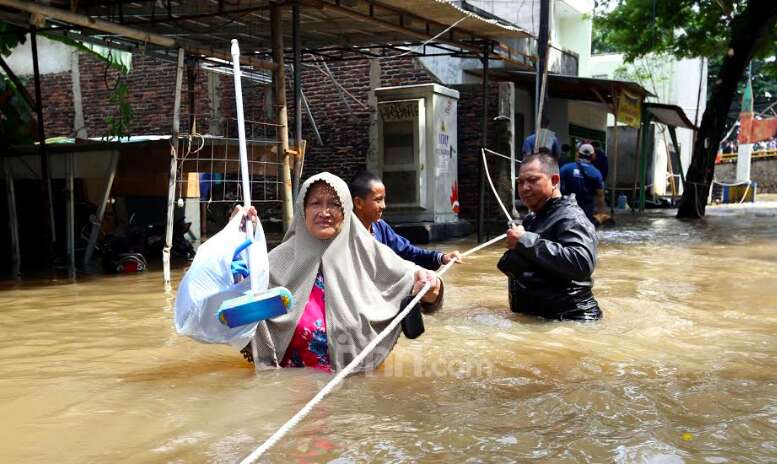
(682, 369)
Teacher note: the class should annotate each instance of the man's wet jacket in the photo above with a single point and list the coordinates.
(550, 268)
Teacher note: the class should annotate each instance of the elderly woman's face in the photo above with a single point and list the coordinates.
(323, 211)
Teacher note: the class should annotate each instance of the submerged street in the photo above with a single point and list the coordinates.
(681, 368)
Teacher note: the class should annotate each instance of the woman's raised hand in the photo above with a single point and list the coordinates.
(422, 276)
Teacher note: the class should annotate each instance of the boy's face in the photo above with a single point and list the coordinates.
(370, 209)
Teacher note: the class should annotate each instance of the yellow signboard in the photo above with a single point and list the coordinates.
(629, 109)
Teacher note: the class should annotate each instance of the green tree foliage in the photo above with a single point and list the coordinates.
(729, 32)
(682, 28)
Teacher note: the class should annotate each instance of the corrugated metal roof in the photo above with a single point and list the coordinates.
(446, 12)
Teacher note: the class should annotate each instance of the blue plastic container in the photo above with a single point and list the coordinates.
(251, 308)
(621, 202)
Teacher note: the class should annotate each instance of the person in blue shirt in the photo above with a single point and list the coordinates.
(547, 139)
(369, 202)
(585, 181)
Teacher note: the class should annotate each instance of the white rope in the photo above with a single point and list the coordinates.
(491, 183)
(341, 375)
(496, 153)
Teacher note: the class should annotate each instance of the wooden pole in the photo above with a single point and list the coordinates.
(173, 169)
(279, 81)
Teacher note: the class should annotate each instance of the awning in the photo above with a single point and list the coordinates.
(671, 115)
(569, 87)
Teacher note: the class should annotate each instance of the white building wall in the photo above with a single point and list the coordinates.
(576, 37)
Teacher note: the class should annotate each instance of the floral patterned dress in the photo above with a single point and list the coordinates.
(308, 347)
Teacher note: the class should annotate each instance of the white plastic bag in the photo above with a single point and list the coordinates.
(209, 282)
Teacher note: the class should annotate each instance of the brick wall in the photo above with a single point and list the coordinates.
(57, 98)
(151, 91)
(345, 127)
(470, 113)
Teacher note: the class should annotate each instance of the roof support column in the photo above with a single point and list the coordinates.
(44, 159)
(173, 169)
(483, 144)
(279, 82)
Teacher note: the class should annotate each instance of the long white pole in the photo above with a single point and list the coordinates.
(241, 133)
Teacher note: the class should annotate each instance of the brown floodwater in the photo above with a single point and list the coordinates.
(683, 368)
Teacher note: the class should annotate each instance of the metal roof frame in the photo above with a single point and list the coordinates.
(332, 29)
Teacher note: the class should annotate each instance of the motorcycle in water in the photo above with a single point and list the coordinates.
(127, 250)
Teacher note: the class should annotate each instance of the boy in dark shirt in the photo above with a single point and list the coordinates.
(369, 202)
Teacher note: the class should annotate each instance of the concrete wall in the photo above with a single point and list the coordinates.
(763, 171)
(53, 57)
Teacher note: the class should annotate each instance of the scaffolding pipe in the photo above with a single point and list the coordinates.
(310, 117)
(173, 169)
(297, 97)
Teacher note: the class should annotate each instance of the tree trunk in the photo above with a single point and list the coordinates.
(749, 30)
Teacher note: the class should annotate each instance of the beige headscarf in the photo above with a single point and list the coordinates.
(365, 283)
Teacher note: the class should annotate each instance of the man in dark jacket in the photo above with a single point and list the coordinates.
(369, 201)
(551, 257)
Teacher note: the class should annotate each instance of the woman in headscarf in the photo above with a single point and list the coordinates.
(347, 286)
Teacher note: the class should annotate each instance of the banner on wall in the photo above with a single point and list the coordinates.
(629, 109)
